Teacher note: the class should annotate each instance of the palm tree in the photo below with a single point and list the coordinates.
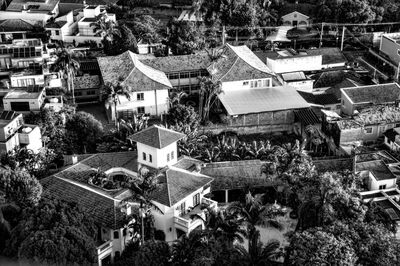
(142, 189)
(253, 213)
(105, 27)
(186, 248)
(209, 91)
(259, 254)
(177, 97)
(67, 63)
(114, 92)
(222, 226)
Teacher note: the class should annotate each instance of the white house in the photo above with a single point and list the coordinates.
(31, 99)
(36, 11)
(297, 80)
(390, 46)
(149, 87)
(14, 133)
(180, 195)
(239, 68)
(296, 19)
(75, 25)
(392, 138)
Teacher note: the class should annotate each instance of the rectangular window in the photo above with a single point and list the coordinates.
(144, 156)
(196, 199)
(182, 208)
(168, 157)
(245, 83)
(140, 96)
(91, 92)
(338, 106)
(382, 187)
(150, 158)
(368, 130)
(57, 32)
(141, 110)
(172, 155)
(116, 234)
(266, 83)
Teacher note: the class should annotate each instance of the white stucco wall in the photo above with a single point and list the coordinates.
(240, 85)
(295, 64)
(289, 19)
(302, 85)
(374, 183)
(153, 104)
(389, 46)
(159, 156)
(347, 104)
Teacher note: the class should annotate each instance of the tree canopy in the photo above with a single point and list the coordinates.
(53, 232)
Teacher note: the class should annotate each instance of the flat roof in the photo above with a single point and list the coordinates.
(376, 94)
(378, 168)
(238, 102)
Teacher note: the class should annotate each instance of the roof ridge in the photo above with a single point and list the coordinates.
(137, 63)
(234, 63)
(79, 184)
(372, 85)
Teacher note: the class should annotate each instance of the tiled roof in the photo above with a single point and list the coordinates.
(11, 25)
(104, 161)
(187, 163)
(304, 8)
(330, 55)
(179, 63)
(378, 168)
(238, 63)
(88, 65)
(157, 137)
(87, 82)
(176, 184)
(376, 94)
(235, 174)
(103, 209)
(56, 24)
(319, 98)
(127, 69)
(307, 116)
(239, 102)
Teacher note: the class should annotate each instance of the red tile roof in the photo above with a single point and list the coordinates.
(176, 184)
(102, 208)
(157, 137)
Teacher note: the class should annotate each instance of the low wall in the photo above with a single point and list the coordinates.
(218, 129)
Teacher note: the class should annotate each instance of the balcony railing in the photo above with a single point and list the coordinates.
(187, 221)
(104, 247)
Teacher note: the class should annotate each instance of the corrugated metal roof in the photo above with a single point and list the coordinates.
(262, 100)
(293, 76)
(307, 116)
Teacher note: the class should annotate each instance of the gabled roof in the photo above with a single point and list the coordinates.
(319, 98)
(12, 25)
(376, 94)
(297, 12)
(179, 63)
(157, 137)
(55, 24)
(127, 69)
(102, 208)
(176, 184)
(238, 63)
(234, 174)
(248, 101)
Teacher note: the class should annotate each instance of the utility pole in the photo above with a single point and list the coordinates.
(341, 45)
(322, 32)
(223, 35)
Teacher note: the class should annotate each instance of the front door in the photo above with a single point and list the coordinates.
(294, 24)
